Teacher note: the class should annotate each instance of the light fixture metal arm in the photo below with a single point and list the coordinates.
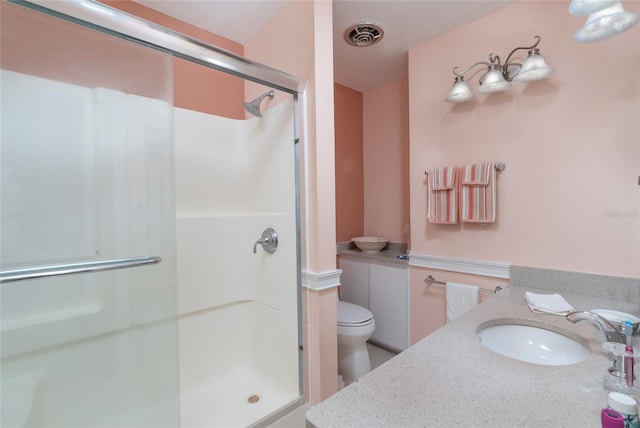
(469, 68)
(494, 60)
(506, 63)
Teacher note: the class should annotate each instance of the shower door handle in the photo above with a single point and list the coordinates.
(268, 240)
(74, 268)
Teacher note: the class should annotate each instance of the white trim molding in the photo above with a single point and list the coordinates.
(474, 267)
(321, 280)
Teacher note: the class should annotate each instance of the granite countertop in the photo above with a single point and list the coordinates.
(389, 255)
(450, 379)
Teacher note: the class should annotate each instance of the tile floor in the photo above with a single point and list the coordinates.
(378, 355)
(296, 418)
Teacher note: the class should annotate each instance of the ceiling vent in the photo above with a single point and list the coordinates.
(363, 34)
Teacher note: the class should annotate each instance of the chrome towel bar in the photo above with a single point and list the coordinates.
(73, 268)
(431, 280)
(498, 166)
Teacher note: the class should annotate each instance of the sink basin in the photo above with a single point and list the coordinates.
(370, 244)
(536, 345)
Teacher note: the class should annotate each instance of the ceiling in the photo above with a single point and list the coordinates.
(406, 23)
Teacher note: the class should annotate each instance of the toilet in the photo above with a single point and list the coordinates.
(355, 326)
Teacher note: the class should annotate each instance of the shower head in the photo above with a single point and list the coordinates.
(253, 107)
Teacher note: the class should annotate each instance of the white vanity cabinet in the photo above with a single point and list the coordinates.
(384, 290)
(389, 303)
(354, 282)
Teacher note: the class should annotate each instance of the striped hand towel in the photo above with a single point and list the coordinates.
(478, 194)
(443, 195)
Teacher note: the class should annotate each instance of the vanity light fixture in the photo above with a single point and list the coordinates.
(498, 76)
(605, 18)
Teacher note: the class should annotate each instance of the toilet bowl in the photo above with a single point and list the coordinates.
(355, 326)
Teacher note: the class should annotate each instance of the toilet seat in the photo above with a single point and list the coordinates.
(350, 315)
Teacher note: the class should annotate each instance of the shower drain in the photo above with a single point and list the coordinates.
(253, 398)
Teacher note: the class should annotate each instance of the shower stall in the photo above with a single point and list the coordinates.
(149, 253)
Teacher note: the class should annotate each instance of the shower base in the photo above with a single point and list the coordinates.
(238, 365)
(228, 401)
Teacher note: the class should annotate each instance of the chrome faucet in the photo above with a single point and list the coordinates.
(611, 333)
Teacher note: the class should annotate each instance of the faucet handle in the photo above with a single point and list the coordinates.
(268, 240)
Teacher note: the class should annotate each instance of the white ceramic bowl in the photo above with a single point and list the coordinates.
(370, 244)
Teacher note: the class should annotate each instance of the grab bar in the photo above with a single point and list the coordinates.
(73, 268)
(431, 280)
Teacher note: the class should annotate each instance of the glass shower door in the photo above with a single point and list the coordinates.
(87, 235)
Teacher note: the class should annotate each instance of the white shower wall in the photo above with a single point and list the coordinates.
(238, 324)
(86, 175)
(216, 265)
(238, 310)
(94, 180)
(234, 178)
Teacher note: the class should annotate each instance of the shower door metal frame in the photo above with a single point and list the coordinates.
(113, 21)
(106, 19)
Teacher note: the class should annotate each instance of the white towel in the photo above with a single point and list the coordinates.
(460, 299)
(553, 304)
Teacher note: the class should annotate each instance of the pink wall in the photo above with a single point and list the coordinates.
(427, 301)
(386, 161)
(321, 229)
(299, 41)
(372, 161)
(349, 163)
(80, 56)
(195, 86)
(285, 44)
(568, 198)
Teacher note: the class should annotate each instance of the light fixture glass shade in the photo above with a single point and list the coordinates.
(533, 68)
(493, 81)
(587, 7)
(606, 23)
(460, 92)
